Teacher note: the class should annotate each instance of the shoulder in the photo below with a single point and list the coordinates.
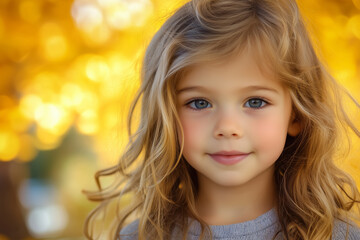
(340, 229)
(130, 231)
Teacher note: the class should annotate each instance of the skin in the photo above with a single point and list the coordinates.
(223, 119)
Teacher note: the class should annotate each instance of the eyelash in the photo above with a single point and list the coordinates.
(253, 98)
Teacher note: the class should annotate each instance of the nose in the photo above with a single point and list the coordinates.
(228, 125)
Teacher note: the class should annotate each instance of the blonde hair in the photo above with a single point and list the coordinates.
(312, 190)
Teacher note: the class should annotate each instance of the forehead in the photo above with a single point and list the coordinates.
(243, 68)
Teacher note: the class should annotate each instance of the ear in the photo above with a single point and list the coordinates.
(294, 127)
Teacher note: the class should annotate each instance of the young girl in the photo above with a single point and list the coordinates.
(239, 126)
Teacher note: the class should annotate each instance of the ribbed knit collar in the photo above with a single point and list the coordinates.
(258, 224)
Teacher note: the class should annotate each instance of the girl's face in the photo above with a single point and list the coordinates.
(233, 107)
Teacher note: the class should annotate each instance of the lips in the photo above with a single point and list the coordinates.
(229, 153)
(228, 157)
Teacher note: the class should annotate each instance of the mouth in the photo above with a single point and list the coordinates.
(228, 159)
(231, 153)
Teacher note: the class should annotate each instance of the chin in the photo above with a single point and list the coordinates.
(229, 181)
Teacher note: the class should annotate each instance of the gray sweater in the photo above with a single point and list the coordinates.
(263, 227)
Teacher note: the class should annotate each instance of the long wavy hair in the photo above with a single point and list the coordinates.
(312, 191)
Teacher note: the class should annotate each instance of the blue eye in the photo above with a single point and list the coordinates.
(198, 104)
(255, 103)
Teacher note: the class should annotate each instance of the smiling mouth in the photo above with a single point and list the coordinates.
(228, 159)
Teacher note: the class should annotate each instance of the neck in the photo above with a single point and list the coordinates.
(223, 205)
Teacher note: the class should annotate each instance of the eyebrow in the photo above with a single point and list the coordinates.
(203, 89)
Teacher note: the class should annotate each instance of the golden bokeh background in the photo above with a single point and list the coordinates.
(68, 72)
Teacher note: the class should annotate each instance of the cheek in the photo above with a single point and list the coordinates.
(270, 134)
(194, 133)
